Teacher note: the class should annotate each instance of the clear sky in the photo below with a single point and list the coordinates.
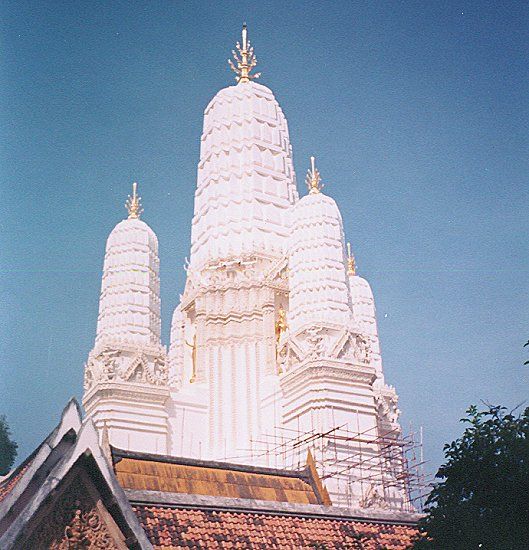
(416, 111)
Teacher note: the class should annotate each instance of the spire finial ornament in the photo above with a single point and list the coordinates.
(351, 264)
(313, 179)
(133, 204)
(244, 58)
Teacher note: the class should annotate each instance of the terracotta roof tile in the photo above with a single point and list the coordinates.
(171, 528)
(8, 484)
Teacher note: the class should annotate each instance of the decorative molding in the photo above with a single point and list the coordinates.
(374, 499)
(77, 519)
(111, 365)
(387, 404)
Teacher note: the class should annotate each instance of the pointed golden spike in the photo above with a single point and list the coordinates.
(313, 179)
(245, 60)
(133, 204)
(351, 264)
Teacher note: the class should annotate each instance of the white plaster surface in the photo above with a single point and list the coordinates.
(129, 307)
(246, 181)
(364, 312)
(319, 292)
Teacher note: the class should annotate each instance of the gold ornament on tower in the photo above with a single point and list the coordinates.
(133, 204)
(281, 327)
(313, 179)
(351, 264)
(244, 58)
(193, 347)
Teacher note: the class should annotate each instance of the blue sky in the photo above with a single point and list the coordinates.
(416, 111)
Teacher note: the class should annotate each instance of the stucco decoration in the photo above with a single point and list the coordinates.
(112, 365)
(374, 498)
(387, 404)
(76, 521)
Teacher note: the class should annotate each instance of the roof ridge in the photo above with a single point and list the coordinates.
(118, 454)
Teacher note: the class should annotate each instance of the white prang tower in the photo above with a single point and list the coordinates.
(274, 344)
(239, 241)
(332, 381)
(126, 373)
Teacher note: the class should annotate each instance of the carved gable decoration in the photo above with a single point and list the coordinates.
(75, 519)
(353, 347)
(104, 367)
(347, 350)
(278, 275)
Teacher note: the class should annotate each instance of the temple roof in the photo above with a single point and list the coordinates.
(168, 527)
(153, 501)
(144, 472)
(8, 483)
(188, 503)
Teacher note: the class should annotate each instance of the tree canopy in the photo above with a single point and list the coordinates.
(482, 500)
(8, 448)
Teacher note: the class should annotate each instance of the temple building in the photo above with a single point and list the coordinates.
(267, 423)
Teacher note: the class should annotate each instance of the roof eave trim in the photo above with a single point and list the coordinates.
(206, 502)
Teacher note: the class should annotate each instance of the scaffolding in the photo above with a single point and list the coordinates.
(352, 463)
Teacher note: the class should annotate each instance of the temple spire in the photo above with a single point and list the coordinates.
(351, 264)
(133, 204)
(244, 58)
(313, 179)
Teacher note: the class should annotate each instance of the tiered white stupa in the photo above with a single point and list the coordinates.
(126, 373)
(365, 312)
(239, 239)
(245, 177)
(275, 335)
(319, 292)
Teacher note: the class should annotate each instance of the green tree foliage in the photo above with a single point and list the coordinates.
(8, 448)
(482, 500)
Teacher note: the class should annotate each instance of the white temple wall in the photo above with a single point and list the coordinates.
(188, 422)
(135, 420)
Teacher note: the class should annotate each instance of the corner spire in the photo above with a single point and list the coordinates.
(351, 264)
(133, 204)
(244, 58)
(313, 179)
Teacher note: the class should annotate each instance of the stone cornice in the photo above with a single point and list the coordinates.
(144, 393)
(317, 368)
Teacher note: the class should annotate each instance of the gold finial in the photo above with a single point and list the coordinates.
(193, 347)
(351, 264)
(245, 59)
(313, 179)
(281, 323)
(133, 204)
(281, 327)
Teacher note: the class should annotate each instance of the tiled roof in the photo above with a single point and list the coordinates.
(169, 528)
(195, 477)
(8, 484)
